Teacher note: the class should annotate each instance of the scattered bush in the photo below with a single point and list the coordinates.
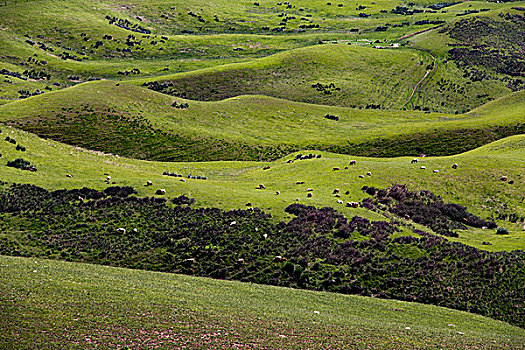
(22, 164)
(182, 200)
(177, 105)
(502, 231)
(331, 117)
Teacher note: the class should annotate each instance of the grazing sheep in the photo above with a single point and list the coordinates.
(149, 183)
(69, 175)
(266, 168)
(309, 190)
(121, 230)
(361, 176)
(339, 201)
(413, 161)
(353, 162)
(233, 223)
(503, 178)
(289, 161)
(435, 171)
(182, 180)
(299, 182)
(336, 168)
(454, 166)
(189, 261)
(240, 261)
(335, 191)
(352, 204)
(369, 173)
(261, 187)
(248, 204)
(277, 192)
(161, 192)
(108, 179)
(309, 194)
(422, 167)
(279, 258)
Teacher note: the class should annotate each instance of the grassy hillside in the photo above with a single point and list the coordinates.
(137, 309)
(478, 55)
(133, 121)
(319, 249)
(118, 40)
(265, 142)
(231, 185)
(342, 75)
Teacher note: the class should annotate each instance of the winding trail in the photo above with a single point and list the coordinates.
(429, 71)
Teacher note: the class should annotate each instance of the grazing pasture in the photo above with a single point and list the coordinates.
(230, 185)
(136, 122)
(139, 309)
(372, 148)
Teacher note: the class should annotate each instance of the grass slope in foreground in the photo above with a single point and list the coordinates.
(136, 122)
(60, 305)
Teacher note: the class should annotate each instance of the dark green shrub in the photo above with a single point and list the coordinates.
(502, 231)
(20, 163)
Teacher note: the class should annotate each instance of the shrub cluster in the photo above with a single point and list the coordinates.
(489, 45)
(318, 249)
(189, 176)
(20, 163)
(424, 208)
(177, 105)
(331, 117)
(125, 24)
(182, 200)
(307, 156)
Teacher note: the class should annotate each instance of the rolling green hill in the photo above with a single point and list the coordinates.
(231, 185)
(156, 39)
(136, 122)
(265, 142)
(137, 309)
(479, 55)
(341, 75)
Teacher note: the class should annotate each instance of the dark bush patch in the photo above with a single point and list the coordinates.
(182, 200)
(20, 163)
(331, 117)
(425, 208)
(502, 231)
(117, 191)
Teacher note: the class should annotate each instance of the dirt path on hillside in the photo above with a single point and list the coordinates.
(427, 73)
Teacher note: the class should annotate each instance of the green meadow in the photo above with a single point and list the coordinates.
(85, 306)
(229, 95)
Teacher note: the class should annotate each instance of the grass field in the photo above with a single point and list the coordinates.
(94, 48)
(136, 122)
(231, 185)
(85, 306)
(229, 95)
